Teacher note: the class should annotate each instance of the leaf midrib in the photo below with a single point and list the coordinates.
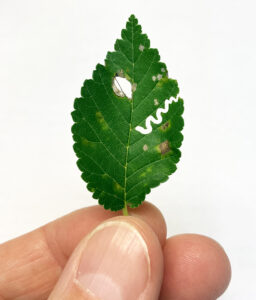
(130, 128)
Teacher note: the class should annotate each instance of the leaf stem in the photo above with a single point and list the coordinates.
(125, 210)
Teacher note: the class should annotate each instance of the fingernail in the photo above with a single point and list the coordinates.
(115, 263)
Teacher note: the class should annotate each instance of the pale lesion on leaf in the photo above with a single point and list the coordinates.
(146, 172)
(118, 187)
(101, 120)
(87, 143)
(143, 174)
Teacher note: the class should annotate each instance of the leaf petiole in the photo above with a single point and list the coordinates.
(125, 210)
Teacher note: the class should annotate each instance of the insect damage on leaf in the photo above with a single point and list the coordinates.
(127, 139)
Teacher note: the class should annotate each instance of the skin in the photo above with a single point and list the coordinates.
(195, 266)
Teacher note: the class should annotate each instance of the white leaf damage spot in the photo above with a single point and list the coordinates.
(156, 102)
(163, 70)
(158, 119)
(145, 147)
(159, 76)
(141, 48)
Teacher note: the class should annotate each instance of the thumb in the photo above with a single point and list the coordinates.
(121, 259)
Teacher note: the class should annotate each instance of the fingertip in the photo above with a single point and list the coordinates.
(154, 248)
(120, 253)
(65, 233)
(196, 268)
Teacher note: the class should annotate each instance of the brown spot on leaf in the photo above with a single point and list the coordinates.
(165, 125)
(164, 147)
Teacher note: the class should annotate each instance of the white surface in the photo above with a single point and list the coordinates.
(48, 48)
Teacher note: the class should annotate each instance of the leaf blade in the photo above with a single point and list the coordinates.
(120, 164)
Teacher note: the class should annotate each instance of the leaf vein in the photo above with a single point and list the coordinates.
(104, 119)
(84, 153)
(151, 163)
(108, 150)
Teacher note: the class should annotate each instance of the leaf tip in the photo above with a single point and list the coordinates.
(132, 17)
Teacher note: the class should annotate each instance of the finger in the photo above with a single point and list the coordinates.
(31, 264)
(67, 231)
(196, 268)
(121, 259)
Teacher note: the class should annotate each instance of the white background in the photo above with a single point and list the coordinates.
(48, 48)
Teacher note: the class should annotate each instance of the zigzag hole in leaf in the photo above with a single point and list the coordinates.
(122, 87)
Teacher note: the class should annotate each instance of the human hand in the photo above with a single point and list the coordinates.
(97, 254)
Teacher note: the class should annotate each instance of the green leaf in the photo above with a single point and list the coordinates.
(119, 162)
